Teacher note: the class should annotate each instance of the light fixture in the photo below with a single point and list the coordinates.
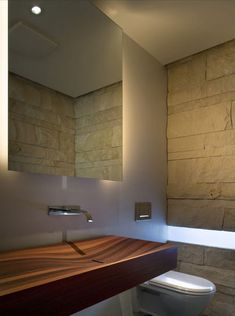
(36, 10)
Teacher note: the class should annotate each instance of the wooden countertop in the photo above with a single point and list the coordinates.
(65, 278)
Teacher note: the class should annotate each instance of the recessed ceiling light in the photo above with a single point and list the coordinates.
(36, 10)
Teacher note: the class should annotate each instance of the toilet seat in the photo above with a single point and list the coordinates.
(183, 283)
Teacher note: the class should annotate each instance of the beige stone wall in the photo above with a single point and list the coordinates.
(201, 140)
(98, 139)
(41, 129)
(216, 265)
(54, 134)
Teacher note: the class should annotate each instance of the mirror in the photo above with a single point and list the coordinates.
(65, 90)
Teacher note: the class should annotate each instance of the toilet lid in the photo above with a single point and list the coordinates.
(182, 282)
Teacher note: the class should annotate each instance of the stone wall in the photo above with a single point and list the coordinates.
(98, 139)
(54, 134)
(41, 129)
(201, 140)
(216, 265)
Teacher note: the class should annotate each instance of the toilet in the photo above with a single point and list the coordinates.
(175, 294)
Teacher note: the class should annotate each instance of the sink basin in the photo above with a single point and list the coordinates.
(65, 278)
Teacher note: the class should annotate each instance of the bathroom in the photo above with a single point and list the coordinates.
(199, 184)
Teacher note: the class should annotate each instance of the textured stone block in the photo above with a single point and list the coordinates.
(190, 253)
(229, 219)
(117, 136)
(233, 114)
(225, 290)
(107, 169)
(224, 298)
(179, 97)
(16, 88)
(99, 155)
(218, 276)
(202, 170)
(99, 100)
(46, 99)
(115, 172)
(187, 144)
(32, 168)
(178, 75)
(221, 61)
(67, 124)
(220, 258)
(67, 146)
(221, 309)
(17, 148)
(98, 127)
(100, 117)
(196, 213)
(27, 120)
(203, 145)
(30, 160)
(96, 140)
(62, 104)
(197, 191)
(22, 132)
(224, 191)
(220, 85)
(12, 134)
(188, 72)
(204, 120)
(32, 94)
(34, 112)
(47, 137)
(204, 102)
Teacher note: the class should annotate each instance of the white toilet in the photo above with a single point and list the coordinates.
(175, 294)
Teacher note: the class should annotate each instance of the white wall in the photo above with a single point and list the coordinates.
(24, 197)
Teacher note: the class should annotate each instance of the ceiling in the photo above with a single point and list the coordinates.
(171, 30)
(71, 47)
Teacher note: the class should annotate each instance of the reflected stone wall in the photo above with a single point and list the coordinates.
(98, 139)
(41, 129)
(55, 134)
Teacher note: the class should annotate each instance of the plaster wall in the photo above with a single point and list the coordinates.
(25, 197)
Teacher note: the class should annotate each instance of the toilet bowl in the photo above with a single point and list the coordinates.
(175, 294)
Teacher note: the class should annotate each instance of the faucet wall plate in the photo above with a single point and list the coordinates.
(69, 210)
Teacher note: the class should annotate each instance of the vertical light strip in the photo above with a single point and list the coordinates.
(3, 85)
(204, 237)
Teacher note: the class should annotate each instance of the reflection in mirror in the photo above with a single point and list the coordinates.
(65, 90)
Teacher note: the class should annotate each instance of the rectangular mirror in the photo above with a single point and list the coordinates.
(65, 90)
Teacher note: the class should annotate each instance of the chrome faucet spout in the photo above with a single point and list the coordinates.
(69, 210)
(87, 215)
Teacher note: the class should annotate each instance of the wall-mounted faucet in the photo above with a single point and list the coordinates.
(69, 210)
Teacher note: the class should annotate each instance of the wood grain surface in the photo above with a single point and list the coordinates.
(68, 277)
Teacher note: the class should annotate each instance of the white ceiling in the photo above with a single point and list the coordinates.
(65, 48)
(72, 47)
(171, 30)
